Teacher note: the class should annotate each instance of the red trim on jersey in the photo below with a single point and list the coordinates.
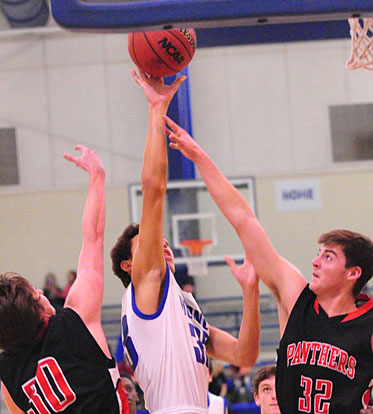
(354, 314)
(360, 311)
(123, 398)
(363, 296)
(42, 330)
(316, 306)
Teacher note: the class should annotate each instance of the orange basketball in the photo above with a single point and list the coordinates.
(162, 53)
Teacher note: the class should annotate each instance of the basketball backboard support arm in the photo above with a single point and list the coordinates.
(132, 15)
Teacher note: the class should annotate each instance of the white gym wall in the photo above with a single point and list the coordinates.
(257, 110)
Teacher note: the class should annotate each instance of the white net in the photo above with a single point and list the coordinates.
(195, 252)
(361, 31)
(197, 266)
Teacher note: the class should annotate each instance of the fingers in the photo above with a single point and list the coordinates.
(247, 260)
(168, 131)
(171, 134)
(68, 157)
(81, 147)
(173, 125)
(178, 82)
(135, 76)
(231, 263)
(71, 158)
(77, 160)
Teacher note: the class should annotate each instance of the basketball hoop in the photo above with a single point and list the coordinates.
(361, 31)
(192, 250)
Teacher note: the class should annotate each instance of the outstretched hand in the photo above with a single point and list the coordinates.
(244, 274)
(156, 92)
(181, 140)
(89, 160)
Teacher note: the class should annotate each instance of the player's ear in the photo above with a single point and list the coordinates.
(256, 399)
(126, 265)
(354, 273)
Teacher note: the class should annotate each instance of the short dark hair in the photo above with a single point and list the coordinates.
(264, 373)
(358, 250)
(21, 314)
(189, 280)
(122, 251)
(124, 374)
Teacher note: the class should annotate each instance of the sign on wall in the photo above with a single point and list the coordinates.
(298, 194)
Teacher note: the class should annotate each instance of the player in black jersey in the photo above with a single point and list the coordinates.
(325, 360)
(61, 362)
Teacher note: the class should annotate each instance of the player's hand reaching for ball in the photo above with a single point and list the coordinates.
(181, 140)
(89, 161)
(244, 274)
(157, 93)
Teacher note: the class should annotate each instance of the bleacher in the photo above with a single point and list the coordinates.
(224, 313)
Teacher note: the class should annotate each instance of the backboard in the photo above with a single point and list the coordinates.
(191, 213)
(132, 15)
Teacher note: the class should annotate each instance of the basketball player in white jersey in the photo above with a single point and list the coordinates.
(164, 332)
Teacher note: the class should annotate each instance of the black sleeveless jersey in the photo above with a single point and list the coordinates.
(324, 364)
(65, 370)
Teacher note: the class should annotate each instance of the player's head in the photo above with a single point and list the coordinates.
(71, 276)
(23, 312)
(130, 390)
(348, 251)
(265, 390)
(188, 284)
(122, 252)
(50, 280)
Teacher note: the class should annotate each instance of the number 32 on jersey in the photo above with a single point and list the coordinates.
(323, 393)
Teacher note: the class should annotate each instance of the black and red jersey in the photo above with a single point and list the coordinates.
(64, 371)
(325, 365)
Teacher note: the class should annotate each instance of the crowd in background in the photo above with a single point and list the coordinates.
(53, 292)
(232, 383)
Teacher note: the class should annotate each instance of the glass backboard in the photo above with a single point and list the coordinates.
(191, 213)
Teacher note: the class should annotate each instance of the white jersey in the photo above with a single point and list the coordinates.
(216, 404)
(167, 351)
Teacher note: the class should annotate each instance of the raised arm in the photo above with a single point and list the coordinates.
(86, 293)
(244, 351)
(12, 407)
(283, 279)
(148, 264)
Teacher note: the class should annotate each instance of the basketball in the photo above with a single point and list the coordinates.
(162, 53)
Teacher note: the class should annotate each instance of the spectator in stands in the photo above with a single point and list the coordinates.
(216, 403)
(238, 385)
(218, 381)
(130, 390)
(188, 285)
(71, 276)
(53, 292)
(265, 390)
(247, 382)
